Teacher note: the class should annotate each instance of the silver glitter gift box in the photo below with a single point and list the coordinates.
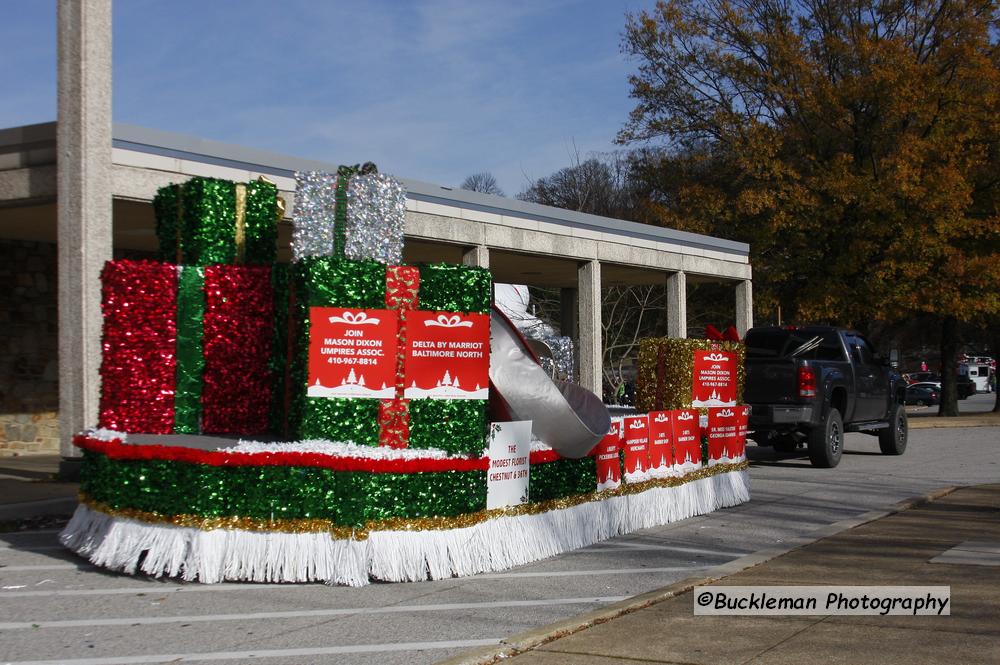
(372, 226)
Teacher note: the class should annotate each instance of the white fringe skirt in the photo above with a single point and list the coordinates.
(209, 556)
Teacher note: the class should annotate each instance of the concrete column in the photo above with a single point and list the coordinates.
(589, 316)
(83, 140)
(677, 305)
(744, 307)
(478, 256)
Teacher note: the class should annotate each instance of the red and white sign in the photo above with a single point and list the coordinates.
(661, 444)
(742, 423)
(447, 355)
(687, 440)
(635, 436)
(352, 352)
(714, 380)
(609, 468)
(723, 436)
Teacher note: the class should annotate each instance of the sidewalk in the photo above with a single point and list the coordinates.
(29, 489)
(889, 549)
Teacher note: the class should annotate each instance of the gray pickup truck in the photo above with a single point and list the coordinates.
(811, 384)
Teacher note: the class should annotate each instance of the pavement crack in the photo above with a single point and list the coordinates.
(774, 646)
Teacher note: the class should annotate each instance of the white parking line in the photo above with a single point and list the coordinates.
(264, 653)
(641, 547)
(47, 566)
(157, 589)
(580, 573)
(32, 532)
(37, 548)
(244, 587)
(394, 609)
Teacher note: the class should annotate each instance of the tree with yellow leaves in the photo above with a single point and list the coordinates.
(854, 144)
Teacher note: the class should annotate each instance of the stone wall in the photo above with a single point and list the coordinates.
(29, 362)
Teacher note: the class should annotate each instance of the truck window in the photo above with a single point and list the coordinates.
(797, 343)
(864, 353)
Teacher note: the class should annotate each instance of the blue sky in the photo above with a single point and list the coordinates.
(432, 90)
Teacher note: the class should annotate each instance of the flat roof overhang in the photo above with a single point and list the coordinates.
(529, 243)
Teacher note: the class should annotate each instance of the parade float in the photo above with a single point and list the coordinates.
(347, 418)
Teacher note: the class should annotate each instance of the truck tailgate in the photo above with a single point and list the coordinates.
(771, 381)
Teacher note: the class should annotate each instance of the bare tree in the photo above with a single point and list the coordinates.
(482, 182)
(599, 185)
(602, 185)
(629, 314)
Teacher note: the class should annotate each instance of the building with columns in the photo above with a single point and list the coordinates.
(77, 192)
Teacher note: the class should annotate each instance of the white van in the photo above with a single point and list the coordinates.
(979, 373)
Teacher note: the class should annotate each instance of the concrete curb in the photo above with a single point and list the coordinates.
(933, 422)
(517, 644)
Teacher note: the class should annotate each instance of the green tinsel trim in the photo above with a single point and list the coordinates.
(205, 210)
(384, 496)
(454, 425)
(167, 219)
(458, 426)
(562, 478)
(208, 230)
(190, 359)
(321, 281)
(339, 419)
(280, 352)
(447, 287)
(279, 492)
(261, 223)
(340, 216)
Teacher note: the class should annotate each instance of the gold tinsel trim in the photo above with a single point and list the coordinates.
(678, 371)
(400, 524)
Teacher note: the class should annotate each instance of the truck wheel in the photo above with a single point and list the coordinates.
(826, 441)
(892, 440)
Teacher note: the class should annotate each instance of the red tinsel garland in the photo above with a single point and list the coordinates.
(402, 284)
(115, 449)
(138, 370)
(238, 334)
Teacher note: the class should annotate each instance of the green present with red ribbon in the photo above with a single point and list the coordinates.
(348, 330)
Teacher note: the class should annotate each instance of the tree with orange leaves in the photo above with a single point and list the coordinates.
(854, 144)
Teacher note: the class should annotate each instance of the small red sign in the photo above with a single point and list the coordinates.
(687, 440)
(636, 440)
(742, 422)
(352, 352)
(722, 435)
(661, 440)
(714, 380)
(447, 355)
(609, 469)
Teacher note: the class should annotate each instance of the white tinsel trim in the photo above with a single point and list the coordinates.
(104, 434)
(321, 446)
(396, 556)
(337, 449)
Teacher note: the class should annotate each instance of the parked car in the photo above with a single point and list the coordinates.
(811, 384)
(919, 377)
(964, 386)
(923, 394)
